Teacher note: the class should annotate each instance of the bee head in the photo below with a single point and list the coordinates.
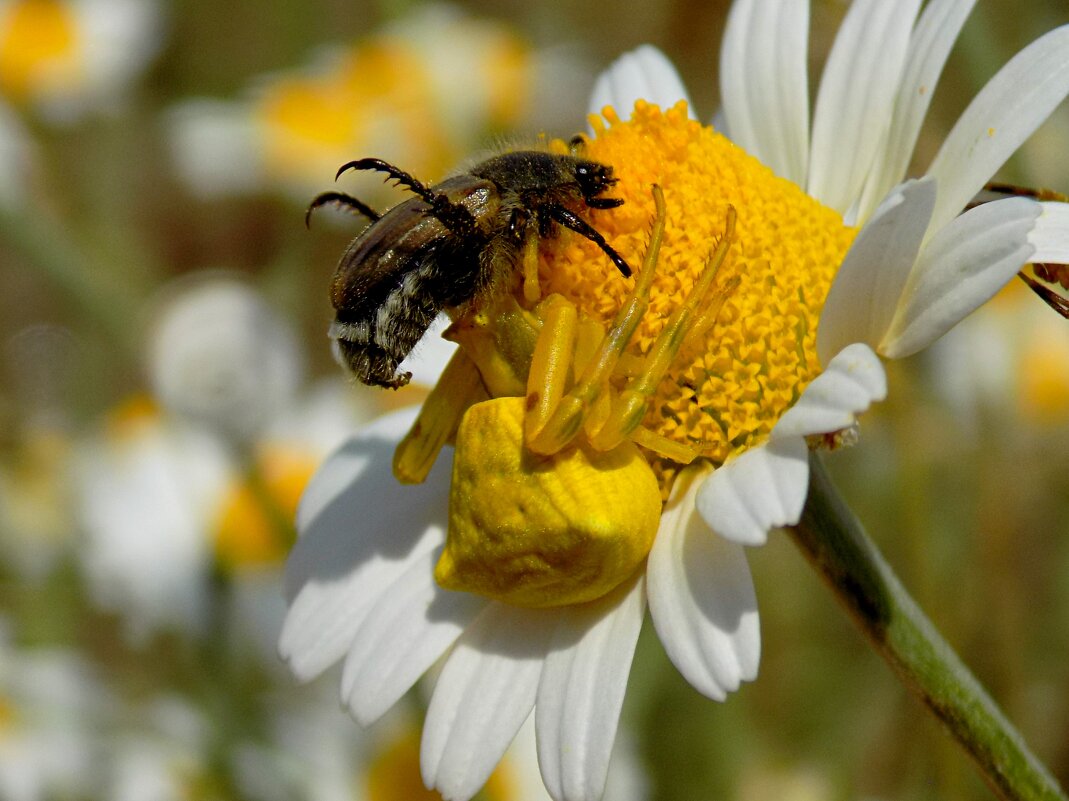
(593, 178)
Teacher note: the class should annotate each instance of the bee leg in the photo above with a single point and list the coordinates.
(550, 430)
(399, 175)
(342, 200)
(630, 408)
(453, 215)
(604, 202)
(575, 223)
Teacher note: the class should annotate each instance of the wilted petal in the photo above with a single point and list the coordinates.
(960, 268)
(645, 73)
(701, 597)
(848, 385)
(862, 299)
(764, 84)
(486, 691)
(582, 690)
(759, 490)
(360, 531)
(410, 627)
(856, 98)
(1005, 113)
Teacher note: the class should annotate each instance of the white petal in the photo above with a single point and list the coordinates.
(430, 356)
(856, 97)
(410, 627)
(764, 84)
(582, 691)
(1050, 237)
(645, 73)
(1005, 113)
(762, 489)
(865, 293)
(486, 691)
(849, 384)
(702, 598)
(360, 530)
(345, 466)
(929, 46)
(960, 268)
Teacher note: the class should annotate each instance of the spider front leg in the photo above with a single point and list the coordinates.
(629, 409)
(555, 417)
(552, 424)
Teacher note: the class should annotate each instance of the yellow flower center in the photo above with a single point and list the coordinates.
(557, 507)
(725, 392)
(254, 525)
(39, 49)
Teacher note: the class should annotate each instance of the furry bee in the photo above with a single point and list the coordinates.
(448, 246)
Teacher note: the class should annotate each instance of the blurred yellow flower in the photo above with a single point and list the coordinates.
(63, 57)
(424, 91)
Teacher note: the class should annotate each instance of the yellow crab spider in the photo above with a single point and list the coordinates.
(551, 501)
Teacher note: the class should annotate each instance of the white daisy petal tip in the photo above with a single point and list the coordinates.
(962, 266)
(760, 490)
(702, 599)
(1050, 237)
(852, 381)
(644, 73)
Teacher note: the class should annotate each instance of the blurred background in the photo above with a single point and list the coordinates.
(166, 389)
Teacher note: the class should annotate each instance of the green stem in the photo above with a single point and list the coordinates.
(92, 292)
(836, 544)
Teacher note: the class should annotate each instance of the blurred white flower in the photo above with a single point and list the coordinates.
(64, 57)
(1010, 359)
(158, 753)
(205, 476)
(219, 355)
(147, 487)
(51, 710)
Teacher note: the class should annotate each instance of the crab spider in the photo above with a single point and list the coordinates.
(567, 368)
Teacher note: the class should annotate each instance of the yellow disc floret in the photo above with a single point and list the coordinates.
(725, 391)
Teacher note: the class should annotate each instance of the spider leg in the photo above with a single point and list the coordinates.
(633, 403)
(550, 430)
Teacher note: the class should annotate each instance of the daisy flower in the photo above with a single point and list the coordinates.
(66, 56)
(786, 258)
(51, 709)
(205, 473)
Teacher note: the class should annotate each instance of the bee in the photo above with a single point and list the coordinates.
(448, 247)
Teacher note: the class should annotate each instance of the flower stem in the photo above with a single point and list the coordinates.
(836, 544)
